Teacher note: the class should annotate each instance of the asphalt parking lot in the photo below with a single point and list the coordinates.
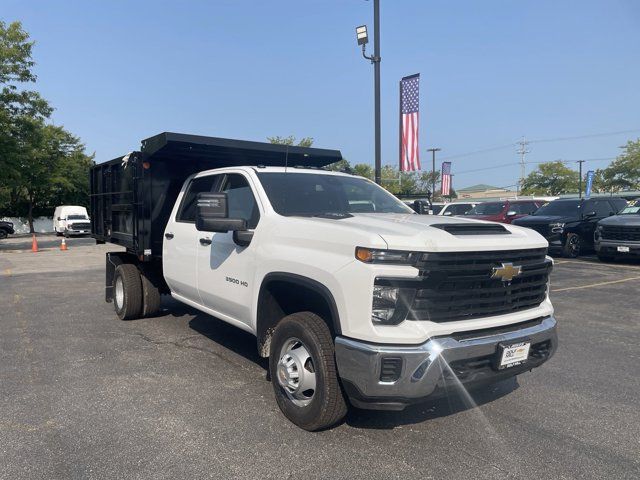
(183, 395)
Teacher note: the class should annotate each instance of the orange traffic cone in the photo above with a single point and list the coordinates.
(34, 244)
(63, 245)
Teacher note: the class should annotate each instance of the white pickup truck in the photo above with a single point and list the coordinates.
(352, 296)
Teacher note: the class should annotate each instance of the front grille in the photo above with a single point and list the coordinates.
(80, 226)
(621, 233)
(458, 286)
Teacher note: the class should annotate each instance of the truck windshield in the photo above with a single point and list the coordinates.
(560, 209)
(76, 217)
(311, 194)
(489, 208)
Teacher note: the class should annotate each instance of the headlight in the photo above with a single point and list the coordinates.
(556, 227)
(396, 257)
(390, 305)
(599, 228)
(384, 303)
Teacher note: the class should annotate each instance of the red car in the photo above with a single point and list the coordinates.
(504, 211)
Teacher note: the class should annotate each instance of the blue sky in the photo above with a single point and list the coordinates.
(492, 71)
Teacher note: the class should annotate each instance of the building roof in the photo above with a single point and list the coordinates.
(481, 187)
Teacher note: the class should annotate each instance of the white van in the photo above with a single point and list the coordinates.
(71, 220)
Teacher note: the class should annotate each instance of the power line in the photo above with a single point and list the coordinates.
(593, 135)
(542, 140)
(532, 163)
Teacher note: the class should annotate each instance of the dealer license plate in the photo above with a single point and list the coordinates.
(514, 354)
(623, 249)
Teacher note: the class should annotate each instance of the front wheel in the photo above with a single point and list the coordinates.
(303, 372)
(3, 234)
(572, 246)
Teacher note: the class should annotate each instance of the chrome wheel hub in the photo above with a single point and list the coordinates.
(119, 298)
(296, 372)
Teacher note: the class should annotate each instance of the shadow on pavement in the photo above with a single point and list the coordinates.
(442, 407)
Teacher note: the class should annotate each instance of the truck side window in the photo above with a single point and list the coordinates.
(602, 208)
(187, 212)
(240, 199)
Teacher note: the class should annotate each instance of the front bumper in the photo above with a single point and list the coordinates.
(426, 370)
(610, 247)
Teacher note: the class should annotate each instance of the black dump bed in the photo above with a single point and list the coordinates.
(132, 196)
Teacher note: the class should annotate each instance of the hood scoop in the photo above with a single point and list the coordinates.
(472, 229)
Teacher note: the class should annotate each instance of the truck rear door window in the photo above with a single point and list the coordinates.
(187, 212)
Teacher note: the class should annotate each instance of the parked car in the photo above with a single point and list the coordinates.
(569, 224)
(6, 229)
(619, 236)
(71, 220)
(504, 211)
(368, 306)
(457, 208)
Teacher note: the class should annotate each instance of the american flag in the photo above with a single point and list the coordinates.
(446, 179)
(409, 99)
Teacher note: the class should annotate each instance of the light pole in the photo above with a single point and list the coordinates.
(580, 179)
(433, 169)
(363, 39)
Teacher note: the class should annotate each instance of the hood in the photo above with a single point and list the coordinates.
(543, 220)
(417, 232)
(632, 220)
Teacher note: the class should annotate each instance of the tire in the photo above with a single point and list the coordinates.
(150, 297)
(572, 246)
(606, 258)
(325, 406)
(127, 292)
(3, 234)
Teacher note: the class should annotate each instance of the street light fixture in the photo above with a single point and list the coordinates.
(363, 38)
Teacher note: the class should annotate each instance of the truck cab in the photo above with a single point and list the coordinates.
(353, 297)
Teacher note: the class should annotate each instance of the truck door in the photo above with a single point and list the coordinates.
(226, 270)
(180, 242)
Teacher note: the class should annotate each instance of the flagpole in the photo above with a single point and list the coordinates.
(376, 67)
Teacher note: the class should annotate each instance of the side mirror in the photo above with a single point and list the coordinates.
(511, 213)
(589, 214)
(421, 207)
(212, 214)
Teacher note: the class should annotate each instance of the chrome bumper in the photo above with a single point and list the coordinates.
(425, 368)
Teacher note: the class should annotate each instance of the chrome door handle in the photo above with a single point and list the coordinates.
(168, 235)
(205, 241)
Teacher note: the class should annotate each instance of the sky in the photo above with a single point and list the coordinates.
(492, 72)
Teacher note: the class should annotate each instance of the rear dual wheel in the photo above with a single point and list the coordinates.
(303, 372)
(134, 295)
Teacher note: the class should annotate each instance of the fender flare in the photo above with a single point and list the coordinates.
(309, 283)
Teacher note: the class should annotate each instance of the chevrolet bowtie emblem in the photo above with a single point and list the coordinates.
(506, 272)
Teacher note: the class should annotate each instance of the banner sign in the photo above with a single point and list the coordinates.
(590, 175)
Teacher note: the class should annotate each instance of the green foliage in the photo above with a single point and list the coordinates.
(42, 165)
(291, 140)
(624, 172)
(551, 179)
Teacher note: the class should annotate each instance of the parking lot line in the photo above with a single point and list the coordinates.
(595, 284)
(594, 264)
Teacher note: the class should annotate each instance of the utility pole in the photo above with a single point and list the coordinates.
(580, 162)
(433, 169)
(522, 151)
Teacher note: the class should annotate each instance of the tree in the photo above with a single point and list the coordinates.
(40, 164)
(552, 179)
(363, 170)
(291, 140)
(624, 172)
